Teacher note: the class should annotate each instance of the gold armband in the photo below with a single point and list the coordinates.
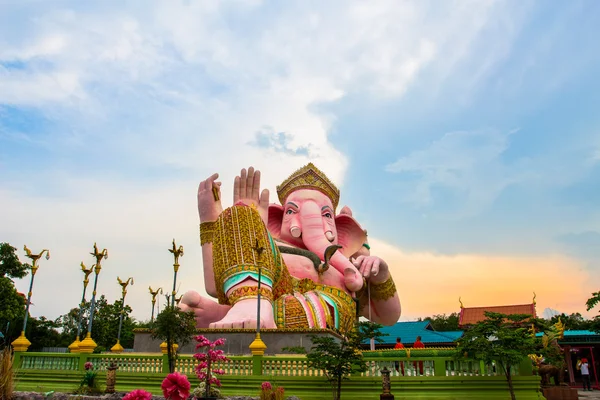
(207, 231)
(384, 290)
(249, 292)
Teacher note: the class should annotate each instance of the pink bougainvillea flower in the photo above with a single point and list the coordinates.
(202, 341)
(138, 394)
(266, 386)
(216, 354)
(201, 375)
(219, 342)
(200, 356)
(88, 365)
(215, 381)
(176, 386)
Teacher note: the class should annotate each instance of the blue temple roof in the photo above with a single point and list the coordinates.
(408, 332)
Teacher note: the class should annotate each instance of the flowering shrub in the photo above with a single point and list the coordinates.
(268, 393)
(176, 386)
(204, 370)
(88, 384)
(138, 394)
(200, 391)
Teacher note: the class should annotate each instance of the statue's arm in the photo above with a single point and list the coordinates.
(209, 209)
(209, 274)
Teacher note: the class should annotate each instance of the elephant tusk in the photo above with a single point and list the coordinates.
(296, 232)
(330, 236)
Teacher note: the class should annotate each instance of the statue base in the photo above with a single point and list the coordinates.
(560, 393)
(237, 341)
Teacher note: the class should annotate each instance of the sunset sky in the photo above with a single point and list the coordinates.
(464, 135)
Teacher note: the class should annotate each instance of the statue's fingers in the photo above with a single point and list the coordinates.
(376, 266)
(358, 261)
(201, 186)
(256, 185)
(250, 182)
(243, 177)
(264, 198)
(236, 189)
(369, 266)
(365, 269)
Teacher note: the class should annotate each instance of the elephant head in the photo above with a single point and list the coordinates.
(307, 219)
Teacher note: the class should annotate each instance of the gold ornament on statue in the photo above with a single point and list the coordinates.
(309, 177)
(384, 290)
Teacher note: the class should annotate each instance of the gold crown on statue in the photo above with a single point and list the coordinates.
(309, 177)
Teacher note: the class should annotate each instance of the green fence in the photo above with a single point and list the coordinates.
(431, 374)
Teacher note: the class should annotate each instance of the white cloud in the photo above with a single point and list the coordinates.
(187, 85)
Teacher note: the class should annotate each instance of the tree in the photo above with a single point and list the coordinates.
(574, 321)
(105, 327)
(441, 322)
(9, 262)
(43, 333)
(591, 303)
(174, 326)
(338, 358)
(12, 306)
(505, 339)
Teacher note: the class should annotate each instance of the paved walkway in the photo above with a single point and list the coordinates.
(588, 395)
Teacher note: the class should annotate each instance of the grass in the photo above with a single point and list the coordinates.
(7, 383)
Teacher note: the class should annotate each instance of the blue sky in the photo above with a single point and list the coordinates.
(462, 133)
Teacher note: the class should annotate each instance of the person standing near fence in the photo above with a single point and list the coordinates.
(419, 345)
(399, 364)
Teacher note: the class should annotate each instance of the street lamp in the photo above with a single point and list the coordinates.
(154, 294)
(258, 347)
(178, 299)
(74, 347)
(88, 345)
(22, 343)
(177, 252)
(117, 348)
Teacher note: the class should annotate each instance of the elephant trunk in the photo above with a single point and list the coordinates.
(316, 240)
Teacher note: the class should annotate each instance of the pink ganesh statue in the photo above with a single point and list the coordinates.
(312, 260)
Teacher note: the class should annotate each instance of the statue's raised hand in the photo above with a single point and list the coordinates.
(209, 199)
(246, 189)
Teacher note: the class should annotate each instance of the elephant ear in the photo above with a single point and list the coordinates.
(350, 234)
(275, 219)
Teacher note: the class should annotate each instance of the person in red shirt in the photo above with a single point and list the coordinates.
(419, 345)
(399, 364)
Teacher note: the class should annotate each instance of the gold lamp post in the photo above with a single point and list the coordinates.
(74, 347)
(88, 345)
(22, 343)
(258, 347)
(117, 348)
(154, 293)
(178, 299)
(177, 252)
